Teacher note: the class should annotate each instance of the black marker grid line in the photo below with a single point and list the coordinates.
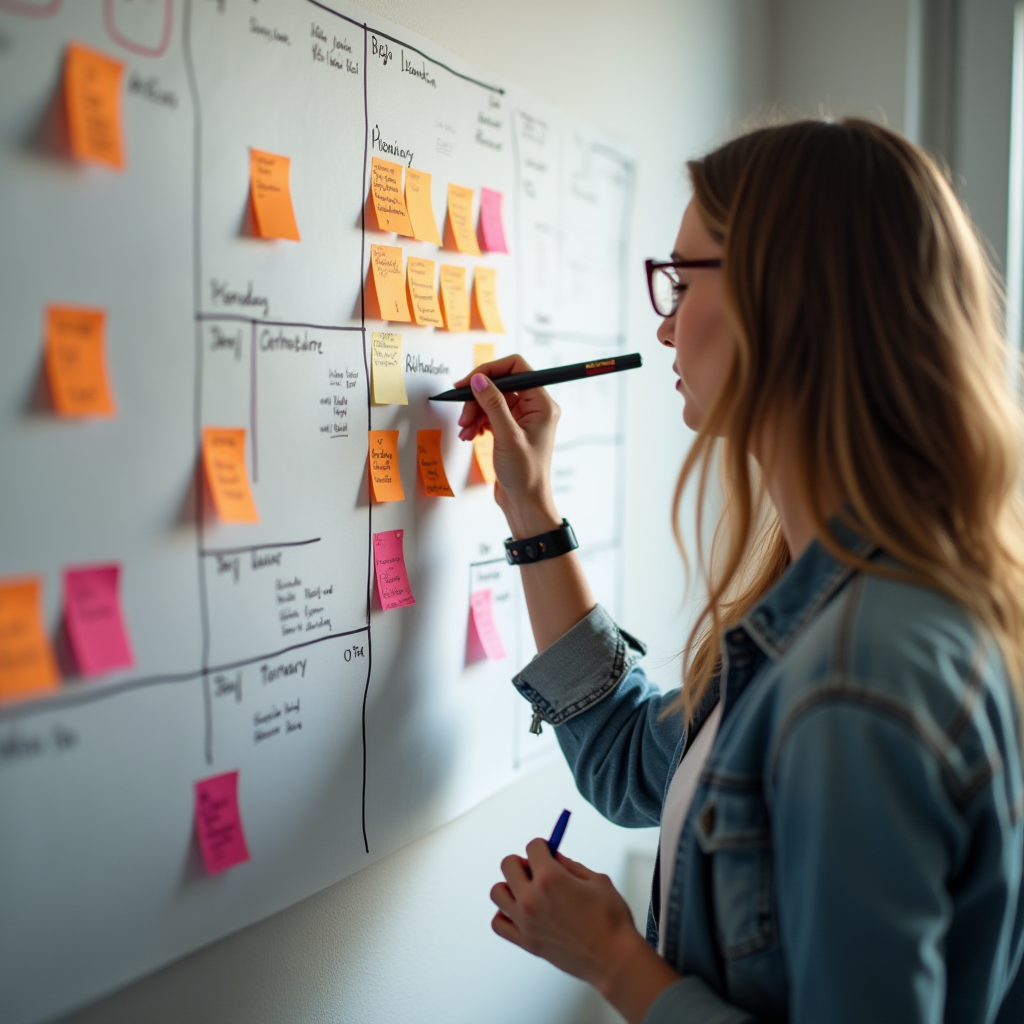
(214, 552)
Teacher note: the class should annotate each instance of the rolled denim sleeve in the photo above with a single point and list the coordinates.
(608, 720)
(689, 1000)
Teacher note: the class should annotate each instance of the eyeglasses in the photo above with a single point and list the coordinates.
(663, 282)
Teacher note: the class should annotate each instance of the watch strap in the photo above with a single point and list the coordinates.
(555, 542)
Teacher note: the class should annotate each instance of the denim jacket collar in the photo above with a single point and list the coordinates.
(805, 587)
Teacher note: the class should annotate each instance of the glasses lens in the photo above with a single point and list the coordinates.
(665, 295)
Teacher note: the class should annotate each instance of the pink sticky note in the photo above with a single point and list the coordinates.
(392, 579)
(482, 606)
(219, 823)
(95, 625)
(492, 231)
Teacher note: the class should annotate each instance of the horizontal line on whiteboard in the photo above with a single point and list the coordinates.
(207, 552)
(64, 699)
(384, 35)
(490, 561)
(589, 441)
(238, 318)
(549, 332)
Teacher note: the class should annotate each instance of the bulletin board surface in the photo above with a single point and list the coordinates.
(262, 648)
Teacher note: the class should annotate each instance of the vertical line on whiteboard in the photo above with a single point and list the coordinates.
(197, 400)
(369, 425)
(252, 407)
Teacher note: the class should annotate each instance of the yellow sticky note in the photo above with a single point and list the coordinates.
(459, 229)
(483, 454)
(224, 459)
(272, 195)
(75, 363)
(485, 299)
(388, 375)
(385, 477)
(483, 352)
(386, 294)
(422, 293)
(92, 96)
(454, 298)
(27, 664)
(388, 203)
(420, 206)
(428, 454)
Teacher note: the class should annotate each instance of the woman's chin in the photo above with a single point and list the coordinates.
(691, 415)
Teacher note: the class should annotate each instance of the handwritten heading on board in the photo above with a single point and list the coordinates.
(271, 193)
(92, 99)
(76, 369)
(219, 823)
(94, 620)
(385, 477)
(27, 664)
(226, 474)
(393, 585)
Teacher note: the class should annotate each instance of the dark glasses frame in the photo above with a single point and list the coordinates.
(658, 266)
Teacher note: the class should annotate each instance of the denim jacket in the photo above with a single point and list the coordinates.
(855, 847)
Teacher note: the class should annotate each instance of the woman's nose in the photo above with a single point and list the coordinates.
(666, 332)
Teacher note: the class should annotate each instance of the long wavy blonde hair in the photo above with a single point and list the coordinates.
(862, 299)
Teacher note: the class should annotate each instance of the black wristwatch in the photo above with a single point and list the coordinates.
(544, 545)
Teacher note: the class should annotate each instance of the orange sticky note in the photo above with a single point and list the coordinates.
(27, 664)
(483, 454)
(388, 202)
(420, 206)
(75, 365)
(272, 195)
(422, 293)
(224, 459)
(459, 229)
(454, 298)
(92, 96)
(483, 352)
(387, 283)
(485, 299)
(385, 477)
(428, 453)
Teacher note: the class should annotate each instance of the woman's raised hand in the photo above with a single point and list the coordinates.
(523, 424)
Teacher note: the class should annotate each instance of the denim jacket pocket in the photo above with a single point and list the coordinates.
(732, 827)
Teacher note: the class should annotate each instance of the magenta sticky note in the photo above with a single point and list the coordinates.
(392, 578)
(95, 624)
(219, 823)
(492, 231)
(482, 605)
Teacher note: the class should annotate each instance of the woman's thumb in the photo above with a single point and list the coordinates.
(493, 403)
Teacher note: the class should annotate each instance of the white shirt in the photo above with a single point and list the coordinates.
(677, 805)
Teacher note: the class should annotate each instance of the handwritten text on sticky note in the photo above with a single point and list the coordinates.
(92, 97)
(460, 221)
(385, 477)
(454, 298)
(485, 299)
(421, 209)
(94, 620)
(492, 230)
(228, 479)
(392, 577)
(482, 608)
(272, 195)
(388, 373)
(428, 453)
(388, 202)
(422, 293)
(219, 823)
(27, 664)
(388, 283)
(76, 368)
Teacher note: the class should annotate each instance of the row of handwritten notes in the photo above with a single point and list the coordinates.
(93, 622)
(411, 295)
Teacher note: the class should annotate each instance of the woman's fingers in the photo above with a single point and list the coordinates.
(516, 872)
(574, 867)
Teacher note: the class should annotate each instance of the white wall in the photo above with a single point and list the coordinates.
(408, 938)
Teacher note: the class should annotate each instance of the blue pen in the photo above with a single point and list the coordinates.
(556, 837)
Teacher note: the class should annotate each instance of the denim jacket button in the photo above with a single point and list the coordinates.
(707, 819)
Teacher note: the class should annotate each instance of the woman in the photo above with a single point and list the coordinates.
(843, 839)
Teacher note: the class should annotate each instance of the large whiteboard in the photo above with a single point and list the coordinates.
(100, 874)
